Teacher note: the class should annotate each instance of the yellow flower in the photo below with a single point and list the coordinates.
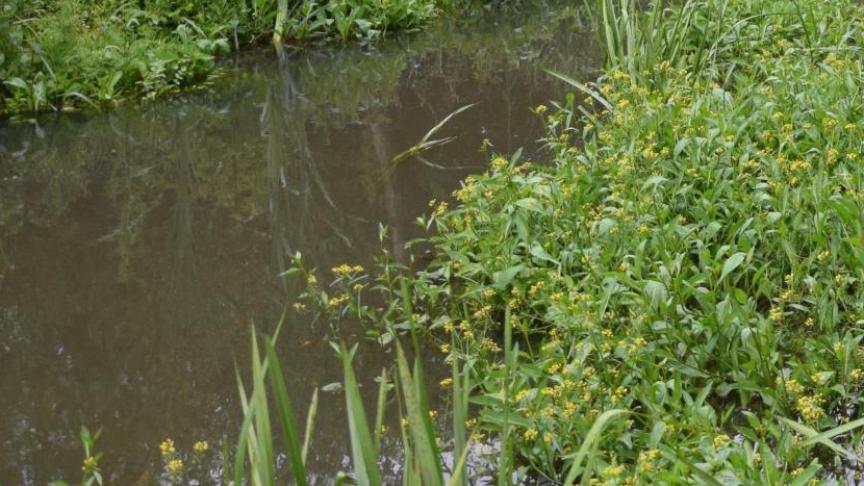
(810, 407)
(721, 440)
(175, 466)
(167, 447)
(613, 471)
(775, 314)
(446, 382)
(793, 387)
(337, 301)
(90, 464)
(200, 447)
(530, 434)
(856, 374)
(342, 270)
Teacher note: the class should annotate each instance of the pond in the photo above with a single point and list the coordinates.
(137, 247)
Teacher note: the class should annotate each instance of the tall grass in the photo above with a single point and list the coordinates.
(254, 460)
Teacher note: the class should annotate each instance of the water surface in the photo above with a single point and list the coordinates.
(138, 246)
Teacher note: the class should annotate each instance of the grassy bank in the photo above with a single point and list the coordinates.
(678, 297)
(64, 54)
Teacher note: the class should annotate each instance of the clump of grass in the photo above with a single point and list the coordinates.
(254, 459)
(690, 265)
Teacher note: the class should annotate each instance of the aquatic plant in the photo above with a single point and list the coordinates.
(254, 457)
(692, 259)
(91, 473)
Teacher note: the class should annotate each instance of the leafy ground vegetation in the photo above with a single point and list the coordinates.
(71, 53)
(678, 297)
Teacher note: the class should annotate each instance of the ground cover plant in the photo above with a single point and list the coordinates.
(73, 53)
(677, 298)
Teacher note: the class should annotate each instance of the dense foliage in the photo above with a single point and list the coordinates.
(70, 53)
(687, 276)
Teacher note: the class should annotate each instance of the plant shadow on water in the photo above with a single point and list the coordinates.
(136, 247)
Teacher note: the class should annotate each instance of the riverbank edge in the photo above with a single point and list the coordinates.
(159, 61)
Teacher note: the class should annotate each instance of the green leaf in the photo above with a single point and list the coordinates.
(286, 415)
(365, 457)
(656, 291)
(804, 477)
(590, 444)
(819, 438)
(731, 264)
(423, 444)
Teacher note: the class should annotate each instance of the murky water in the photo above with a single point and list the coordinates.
(137, 246)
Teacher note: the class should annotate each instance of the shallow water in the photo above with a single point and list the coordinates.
(137, 246)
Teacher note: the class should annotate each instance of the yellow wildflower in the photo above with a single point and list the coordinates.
(810, 407)
(775, 314)
(167, 448)
(90, 464)
(613, 471)
(175, 466)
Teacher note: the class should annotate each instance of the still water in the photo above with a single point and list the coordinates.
(138, 246)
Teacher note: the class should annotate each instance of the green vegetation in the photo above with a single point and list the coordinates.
(254, 457)
(679, 297)
(70, 53)
(90, 471)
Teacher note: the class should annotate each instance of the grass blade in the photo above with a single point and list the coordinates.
(581, 87)
(592, 440)
(815, 437)
(419, 424)
(310, 423)
(364, 454)
(379, 414)
(424, 143)
(286, 415)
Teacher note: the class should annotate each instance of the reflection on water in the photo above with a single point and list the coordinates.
(137, 247)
